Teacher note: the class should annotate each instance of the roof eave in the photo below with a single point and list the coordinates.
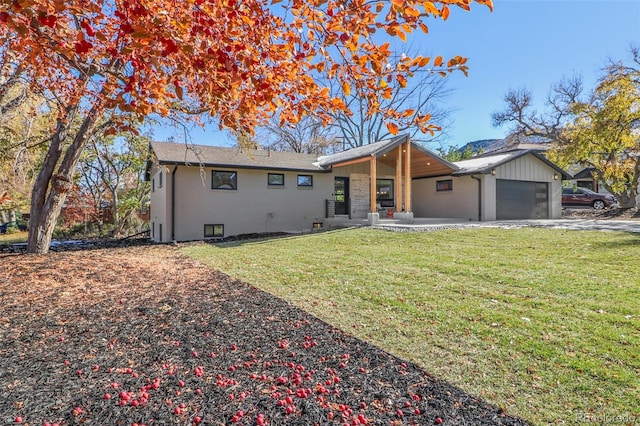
(244, 167)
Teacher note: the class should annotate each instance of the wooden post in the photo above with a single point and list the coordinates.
(407, 178)
(373, 186)
(398, 190)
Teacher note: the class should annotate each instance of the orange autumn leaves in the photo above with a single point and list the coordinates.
(240, 61)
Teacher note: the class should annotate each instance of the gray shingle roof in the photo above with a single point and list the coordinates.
(483, 164)
(215, 156)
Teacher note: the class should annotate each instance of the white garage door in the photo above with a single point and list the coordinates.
(516, 199)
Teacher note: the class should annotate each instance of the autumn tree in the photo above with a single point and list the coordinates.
(237, 61)
(23, 126)
(417, 101)
(309, 135)
(111, 173)
(599, 130)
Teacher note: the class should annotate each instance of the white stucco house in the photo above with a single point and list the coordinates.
(201, 192)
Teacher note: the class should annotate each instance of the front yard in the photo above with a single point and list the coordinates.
(542, 322)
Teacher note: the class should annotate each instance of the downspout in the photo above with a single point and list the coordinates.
(173, 202)
(479, 197)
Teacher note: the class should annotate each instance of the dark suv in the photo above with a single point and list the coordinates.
(583, 197)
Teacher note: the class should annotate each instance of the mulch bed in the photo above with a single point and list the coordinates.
(613, 214)
(143, 335)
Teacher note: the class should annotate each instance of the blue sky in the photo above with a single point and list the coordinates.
(522, 43)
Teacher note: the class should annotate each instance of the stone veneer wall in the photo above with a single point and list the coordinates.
(359, 194)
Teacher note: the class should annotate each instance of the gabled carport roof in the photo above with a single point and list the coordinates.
(424, 162)
(485, 164)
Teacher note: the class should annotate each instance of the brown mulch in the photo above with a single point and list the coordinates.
(143, 335)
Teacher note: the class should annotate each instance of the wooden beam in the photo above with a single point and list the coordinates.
(348, 163)
(398, 190)
(373, 186)
(407, 178)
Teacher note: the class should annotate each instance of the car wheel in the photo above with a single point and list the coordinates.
(598, 204)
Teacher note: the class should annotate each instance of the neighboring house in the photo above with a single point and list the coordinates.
(584, 177)
(211, 192)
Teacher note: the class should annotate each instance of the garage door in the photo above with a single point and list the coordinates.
(516, 199)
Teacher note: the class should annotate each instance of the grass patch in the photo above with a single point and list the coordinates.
(16, 237)
(543, 322)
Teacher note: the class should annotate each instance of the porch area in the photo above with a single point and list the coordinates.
(373, 183)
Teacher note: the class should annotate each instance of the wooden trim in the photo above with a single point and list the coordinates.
(398, 191)
(407, 179)
(350, 162)
(372, 185)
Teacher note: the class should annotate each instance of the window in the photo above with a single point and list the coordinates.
(160, 180)
(224, 180)
(153, 185)
(384, 189)
(444, 185)
(214, 231)
(305, 180)
(275, 179)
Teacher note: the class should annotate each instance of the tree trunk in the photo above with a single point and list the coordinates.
(50, 191)
(627, 199)
(40, 229)
(116, 216)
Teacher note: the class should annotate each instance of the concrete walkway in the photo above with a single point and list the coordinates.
(435, 224)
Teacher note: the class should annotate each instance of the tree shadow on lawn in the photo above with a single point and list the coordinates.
(634, 241)
(144, 335)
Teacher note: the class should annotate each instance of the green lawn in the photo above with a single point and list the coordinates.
(16, 237)
(543, 322)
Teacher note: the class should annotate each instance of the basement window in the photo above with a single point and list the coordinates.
(212, 231)
(444, 185)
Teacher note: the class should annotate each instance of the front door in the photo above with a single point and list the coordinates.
(341, 194)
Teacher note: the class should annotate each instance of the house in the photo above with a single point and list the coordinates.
(584, 177)
(211, 192)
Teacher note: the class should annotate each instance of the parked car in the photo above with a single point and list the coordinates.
(583, 197)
